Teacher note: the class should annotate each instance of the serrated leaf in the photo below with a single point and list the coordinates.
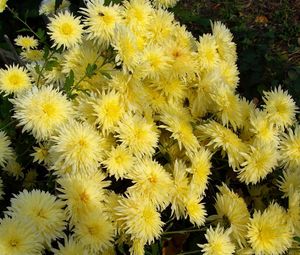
(90, 70)
(69, 82)
(46, 52)
(37, 69)
(41, 34)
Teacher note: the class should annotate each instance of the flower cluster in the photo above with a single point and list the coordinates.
(134, 119)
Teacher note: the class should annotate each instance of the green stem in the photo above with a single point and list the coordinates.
(8, 124)
(15, 14)
(43, 67)
(189, 252)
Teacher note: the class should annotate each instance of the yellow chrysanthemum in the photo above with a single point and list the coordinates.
(42, 111)
(178, 121)
(18, 237)
(1, 189)
(41, 154)
(181, 189)
(119, 162)
(137, 247)
(13, 168)
(47, 7)
(70, 247)
(195, 210)
(6, 152)
(94, 231)
(263, 130)
(218, 136)
(139, 218)
(226, 47)
(232, 211)
(100, 20)
(290, 180)
(268, 231)
(280, 107)
(137, 14)
(152, 182)
(14, 80)
(126, 46)
(294, 210)
(77, 146)
(290, 148)
(138, 134)
(26, 42)
(155, 62)
(65, 30)
(207, 52)
(82, 193)
(32, 55)
(43, 210)
(2, 5)
(108, 110)
(226, 106)
(218, 242)
(30, 179)
(200, 169)
(260, 161)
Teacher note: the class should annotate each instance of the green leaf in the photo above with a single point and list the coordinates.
(41, 34)
(37, 69)
(69, 82)
(297, 238)
(46, 52)
(50, 64)
(90, 70)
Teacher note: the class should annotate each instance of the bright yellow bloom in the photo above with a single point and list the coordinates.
(26, 42)
(2, 5)
(19, 237)
(42, 111)
(65, 30)
(218, 242)
(6, 152)
(70, 247)
(14, 80)
(43, 210)
(195, 210)
(268, 231)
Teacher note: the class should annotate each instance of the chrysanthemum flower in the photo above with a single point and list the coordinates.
(47, 7)
(137, 14)
(94, 231)
(268, 231)
(42, 111)
(260, 161)
(14, 168)
(280, 107)
(294, 210)
(290, 148)
(140, 218)
(2, 5)
(108, 109)
(218, 136)
(218, 242)
(78, 146)
(207, 52)
(195, 210)
(152, 182)
(137, 247)
(290, 180)
(233, 211)
(82, 193)
(6, 152)
(100, 20)
(18, 237)
(1, 189)
(178, 121)
(200, 169)
(226, 106)
(32, 55)
(43, 210)
(263, 130)
(14, 80)
(70, 247)
(65, 30)
(223, 37)
(181, 189)
(139, 134)
(41, 153)
(26, 42)
(119, 162)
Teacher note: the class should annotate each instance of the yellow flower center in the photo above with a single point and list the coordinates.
(66, 29)
(13, 243)
(14, 80)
